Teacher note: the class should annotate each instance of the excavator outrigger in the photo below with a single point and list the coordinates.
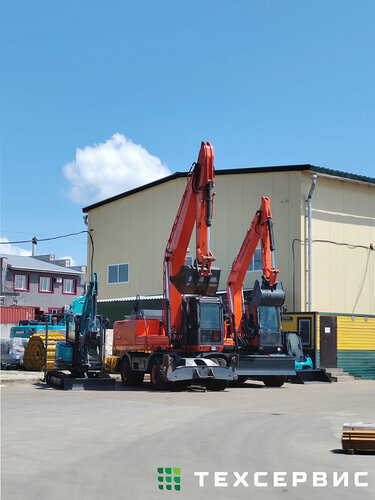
(255, 324)
(186, 344)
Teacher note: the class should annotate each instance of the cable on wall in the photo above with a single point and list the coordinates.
(348, 245)
(363, 280)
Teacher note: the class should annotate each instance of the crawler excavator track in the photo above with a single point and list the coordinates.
(35, 351)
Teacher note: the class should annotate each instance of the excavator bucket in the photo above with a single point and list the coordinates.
(189, 281)
(306, 376)
(264, 294)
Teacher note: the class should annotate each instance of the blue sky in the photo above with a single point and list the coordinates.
(135, 86)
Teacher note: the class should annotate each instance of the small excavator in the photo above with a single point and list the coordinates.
(265, 352)
(184, 345)
(82, 352)
(305, 371)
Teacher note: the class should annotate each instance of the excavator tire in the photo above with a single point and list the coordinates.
(129, 377)
(274, 381)
(158, 376)
(214, 384)
(35, 351)
(239, 382)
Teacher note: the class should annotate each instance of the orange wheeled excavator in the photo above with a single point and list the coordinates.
(255, 324)
(185, 343)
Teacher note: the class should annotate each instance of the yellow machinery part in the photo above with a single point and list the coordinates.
(35, 351)
(110, 364)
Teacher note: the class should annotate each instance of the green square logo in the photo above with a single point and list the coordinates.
(169, 478)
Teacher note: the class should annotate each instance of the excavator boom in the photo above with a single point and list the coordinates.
(268, 292)
(196, 208)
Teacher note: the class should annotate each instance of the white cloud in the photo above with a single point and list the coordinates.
(9, 249)
(110, 168)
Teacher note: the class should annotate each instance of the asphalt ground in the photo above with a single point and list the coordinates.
(102, 445)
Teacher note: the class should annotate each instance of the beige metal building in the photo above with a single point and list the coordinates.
(130, 232)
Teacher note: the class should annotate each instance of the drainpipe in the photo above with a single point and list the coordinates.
(309, 196)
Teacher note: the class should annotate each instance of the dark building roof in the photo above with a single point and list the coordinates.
(233, 171)
(28, 263)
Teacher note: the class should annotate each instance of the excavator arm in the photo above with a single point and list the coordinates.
(266, 293)
(196, 208)
(89, 309)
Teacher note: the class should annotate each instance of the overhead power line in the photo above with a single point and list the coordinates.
(36, 240)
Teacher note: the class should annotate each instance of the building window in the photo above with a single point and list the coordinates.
(21, 283)
(189, 260)
(55, 310)
(118, 273)
(45, 284)
(304, 327)
(69, 286)
(256, 261)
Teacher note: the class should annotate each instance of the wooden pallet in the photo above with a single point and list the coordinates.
(358, 437)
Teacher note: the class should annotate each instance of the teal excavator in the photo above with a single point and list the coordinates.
(79, 359)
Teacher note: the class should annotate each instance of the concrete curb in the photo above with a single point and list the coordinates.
(21, 379)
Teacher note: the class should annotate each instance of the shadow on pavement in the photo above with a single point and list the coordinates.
(340, 451)
(146, 387)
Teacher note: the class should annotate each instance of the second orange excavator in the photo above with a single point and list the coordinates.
(255, 324)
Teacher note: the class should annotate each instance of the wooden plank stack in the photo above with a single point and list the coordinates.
(358, 436)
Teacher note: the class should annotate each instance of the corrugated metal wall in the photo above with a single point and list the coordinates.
(356, 345)
(355, 333)
(14, 314)
(357, 363)
(343, 212)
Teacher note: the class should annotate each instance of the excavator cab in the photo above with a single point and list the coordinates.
(262, 325)
(269, 329)
(261, 319)
(203, 320)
